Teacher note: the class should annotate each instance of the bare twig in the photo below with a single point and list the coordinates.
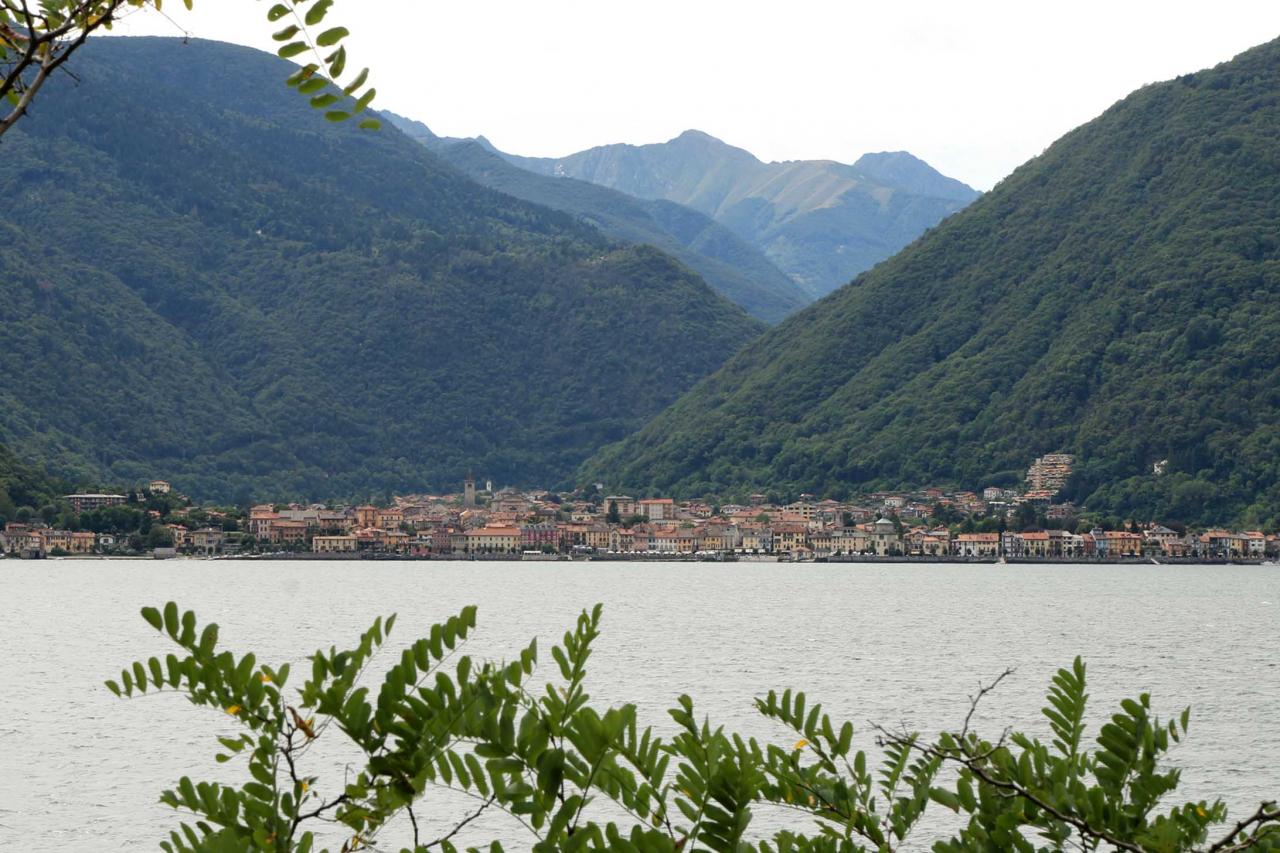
(974, 700)
(457, 828)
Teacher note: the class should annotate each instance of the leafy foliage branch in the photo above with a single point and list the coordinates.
(574, 777)
(37, 39)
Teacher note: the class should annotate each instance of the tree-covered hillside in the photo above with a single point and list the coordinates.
(21, 485)
(733, 267)
(819, 221)
(1116, 297)
(203, 280)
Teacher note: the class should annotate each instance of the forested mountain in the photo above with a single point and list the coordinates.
(1117, 297)
(204, 281)
(819, 221)
(728, 263)
(21, 485)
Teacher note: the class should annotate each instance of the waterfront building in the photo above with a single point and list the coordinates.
(540, 536)
(334, 544)
(884, 538)
(977, 544)
(493, 540)
(207, 540)
(261, 520)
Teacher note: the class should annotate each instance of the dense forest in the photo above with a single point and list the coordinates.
(24, 486)
(725, 261)
(204, 281)
(1115, 297)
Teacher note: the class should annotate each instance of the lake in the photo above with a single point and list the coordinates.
(889, 643)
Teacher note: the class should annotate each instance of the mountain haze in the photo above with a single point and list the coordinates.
(204, 281)
(819, 221)
(1115, 298)
(728, 263)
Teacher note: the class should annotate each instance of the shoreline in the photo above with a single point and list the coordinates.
(675, 558)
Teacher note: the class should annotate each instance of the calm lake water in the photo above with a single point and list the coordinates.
(885, 643)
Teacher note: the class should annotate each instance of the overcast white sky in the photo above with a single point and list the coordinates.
(974, 88)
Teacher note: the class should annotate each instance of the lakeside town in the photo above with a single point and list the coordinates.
(510, 523)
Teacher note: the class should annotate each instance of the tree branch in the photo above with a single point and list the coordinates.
(1266, 813)
(457, 828)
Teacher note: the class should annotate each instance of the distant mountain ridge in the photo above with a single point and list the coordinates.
(202, 280)
(731, 265)
(1116, 297)
(819, 221)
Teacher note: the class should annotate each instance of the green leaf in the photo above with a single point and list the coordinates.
(171, 622)
(157, 672)
(317, 12)
(277, 12)
(292, 49)
(153, 618)
(303, 73)
(945, 798)
(315, 84)
(357, 82)
(365, 99)
(337, 62)
(208, 638)
(330, 37)
(337, 115)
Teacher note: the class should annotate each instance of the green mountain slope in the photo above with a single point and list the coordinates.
(23, 486)
(1116, 298)
(819, 221)
(729, 264)
(203, 281)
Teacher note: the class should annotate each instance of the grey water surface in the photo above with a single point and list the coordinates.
(894, 644)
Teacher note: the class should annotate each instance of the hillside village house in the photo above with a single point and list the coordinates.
(390, 519)
(625, 505)
(366, 516)
(657, 509)
(90, 502)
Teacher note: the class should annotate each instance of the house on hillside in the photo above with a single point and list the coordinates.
(658, 509)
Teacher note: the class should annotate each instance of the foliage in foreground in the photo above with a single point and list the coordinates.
(37, 39)
(557, 765)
